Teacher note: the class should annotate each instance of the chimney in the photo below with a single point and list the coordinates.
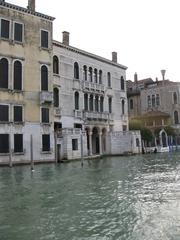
(114, 57)
(163, 74)
(135, 78)
(31, 5)
(65, 38)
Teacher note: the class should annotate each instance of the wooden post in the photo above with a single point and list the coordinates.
(82, 154)
(55, 147)
(10, 152)
(31, 148)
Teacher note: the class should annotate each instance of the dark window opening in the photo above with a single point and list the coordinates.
(18, 143)
(45, 115)
(45, 142)
(123, 107)
(85, 102)
(122, 83)
(76, 96)
(77, 125)
(18, 32)
(18, 116)
(44, 78)
(74, 144)
(76, 70)
(3, 73)
(17, 75)
(44, 39)
(110, 104)
(131, 103)
(109, 79)
(55, 65)
(4, 113)
(4, 143)
(56, 97)
(5, 28)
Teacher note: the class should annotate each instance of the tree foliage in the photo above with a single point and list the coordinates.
(146, 134)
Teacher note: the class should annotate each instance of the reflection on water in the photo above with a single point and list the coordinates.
(123, 198)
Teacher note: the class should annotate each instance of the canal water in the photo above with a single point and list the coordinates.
(116, 198)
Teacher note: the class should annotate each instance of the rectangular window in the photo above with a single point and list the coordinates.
(4, 143)
(18, 143)
(18, 114)
(4, 113)
(44, 39)
(18, 32)
(5, 27)
(45, 142)
(149, 101)
(45, 115)
(74, 144)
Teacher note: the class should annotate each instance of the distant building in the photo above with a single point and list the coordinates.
(156, 103)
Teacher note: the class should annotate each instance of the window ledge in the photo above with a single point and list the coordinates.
(46, 124)
(19, 153)
(44, 49)
(76, 79)
(6, 39)
(17, 91)
(19, 123)
(46, 152)
(5, 122)
(56, 75)
(4, 154)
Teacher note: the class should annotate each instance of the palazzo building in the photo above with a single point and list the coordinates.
(57, 101)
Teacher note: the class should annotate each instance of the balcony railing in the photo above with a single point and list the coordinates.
(97, 115)
(78, 114)
(57, 112)
(46, 97)
(93, 86)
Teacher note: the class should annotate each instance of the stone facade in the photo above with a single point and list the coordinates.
(21, 47)
(49, 87)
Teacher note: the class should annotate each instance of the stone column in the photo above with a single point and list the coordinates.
(90, 143)
(99, 99)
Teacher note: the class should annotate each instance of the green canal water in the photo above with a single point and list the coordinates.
(123, 198)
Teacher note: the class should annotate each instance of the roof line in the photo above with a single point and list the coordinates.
(94, 56)
(25, 10)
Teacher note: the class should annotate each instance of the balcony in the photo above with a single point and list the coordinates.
(104, 116)
(46, 97)
(57, 112)
(91, 86)
(78, 114)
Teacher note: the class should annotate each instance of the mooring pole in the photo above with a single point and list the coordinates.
(82, 155)
(31, 148)
(10, 152)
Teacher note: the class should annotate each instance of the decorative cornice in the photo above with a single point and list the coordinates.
(25, 10)
(91, 55)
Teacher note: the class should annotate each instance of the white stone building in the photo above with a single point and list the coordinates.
(90, 99)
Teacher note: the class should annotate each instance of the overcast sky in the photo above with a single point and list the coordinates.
(145, 33)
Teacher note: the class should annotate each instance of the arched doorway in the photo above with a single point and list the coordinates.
(95, 141)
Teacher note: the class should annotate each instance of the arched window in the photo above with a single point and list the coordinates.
(91, 103)
(56, 97)
(90, 74)
(153, 100)
(76, 100)
(96, 104)
(100, 76)
(176, 118)
(85, 73)
(3, 73)
(175, 98)
(157, 100)
(55, 65)
(101, 104)
(122, 83)
(131, 104)
(86, 102)
(44, 78)
(17, 75)
(76, 70)
(149, 101)
(109, 79)
(110, 104)
(123, 107)
(95, 76)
